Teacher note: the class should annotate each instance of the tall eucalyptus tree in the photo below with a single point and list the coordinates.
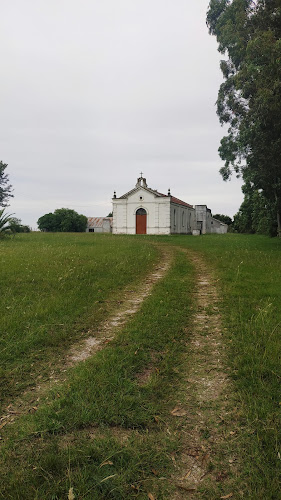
(249, 99)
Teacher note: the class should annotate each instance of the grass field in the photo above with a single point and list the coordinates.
(53, 287)
(249, 271)
(101, 432)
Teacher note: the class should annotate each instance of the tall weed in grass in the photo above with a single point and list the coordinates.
(53, 287)
(248, 269)
(101, 432)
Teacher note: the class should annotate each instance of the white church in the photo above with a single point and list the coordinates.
(146, 211)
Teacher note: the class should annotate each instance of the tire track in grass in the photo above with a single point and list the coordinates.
(130, 303)
(122, 431)
(205, 465)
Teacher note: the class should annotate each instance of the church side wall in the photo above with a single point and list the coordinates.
(182, 219)
(164, 221)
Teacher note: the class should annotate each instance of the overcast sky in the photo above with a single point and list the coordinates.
(95, 91)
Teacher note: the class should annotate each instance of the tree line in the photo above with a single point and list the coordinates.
(249, 101)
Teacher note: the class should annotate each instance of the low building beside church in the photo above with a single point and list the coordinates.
(99, 225)
(146, 211)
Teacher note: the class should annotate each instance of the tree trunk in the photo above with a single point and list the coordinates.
(278, 207)
(278, 223)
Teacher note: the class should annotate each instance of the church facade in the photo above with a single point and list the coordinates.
(146, 211)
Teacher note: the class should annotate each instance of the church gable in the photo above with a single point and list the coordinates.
(141, 195)
(141, 211)
(141, 185)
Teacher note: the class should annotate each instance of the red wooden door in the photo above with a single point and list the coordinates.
(141, 221)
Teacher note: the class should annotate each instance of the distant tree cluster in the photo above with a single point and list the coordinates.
(63, 220)
(11, 225)
(249, 99)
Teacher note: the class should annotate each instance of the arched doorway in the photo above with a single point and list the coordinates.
(141, 221)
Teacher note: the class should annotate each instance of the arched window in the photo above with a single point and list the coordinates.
(141, 211)
(175, 217)
(182, 219)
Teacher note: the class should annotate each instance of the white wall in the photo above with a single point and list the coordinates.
(182, 219)
(218, 227)
(158, 213)
(203, 217)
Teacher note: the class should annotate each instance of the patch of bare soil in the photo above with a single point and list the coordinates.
(92, 433)
(95, 341)
(144, 376)
(205, 461)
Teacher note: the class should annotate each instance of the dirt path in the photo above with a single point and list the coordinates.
(205, 461)
(202, 416)
(131, 302)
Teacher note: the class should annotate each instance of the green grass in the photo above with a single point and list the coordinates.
(103, 397)
(53, 287)
(249, 271)
(102, 413)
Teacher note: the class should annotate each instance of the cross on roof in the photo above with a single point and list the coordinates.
(141, 174)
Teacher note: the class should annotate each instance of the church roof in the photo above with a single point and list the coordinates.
(180, 202)
(155, 193)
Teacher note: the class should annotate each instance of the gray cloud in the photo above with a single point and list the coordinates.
(94, 92)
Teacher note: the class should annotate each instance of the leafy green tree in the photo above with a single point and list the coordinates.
(223, 218)
(249, 100)
(47, 222)
(70, 221)
(256, 214)
(5, 187)
(63, 220)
